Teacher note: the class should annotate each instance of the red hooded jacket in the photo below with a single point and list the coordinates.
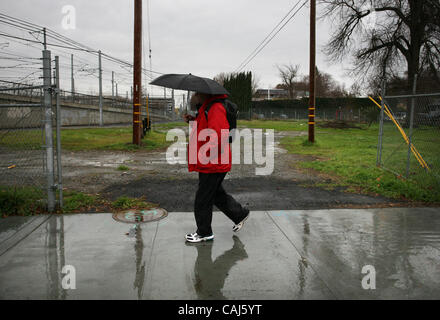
(207, 153)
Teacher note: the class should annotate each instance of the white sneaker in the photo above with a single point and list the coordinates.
(194, 237)
(239, 225)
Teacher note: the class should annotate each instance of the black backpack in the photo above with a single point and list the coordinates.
(231, 114)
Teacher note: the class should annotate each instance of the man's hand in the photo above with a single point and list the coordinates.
(187, 118)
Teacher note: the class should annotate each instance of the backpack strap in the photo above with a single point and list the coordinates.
(210, 105)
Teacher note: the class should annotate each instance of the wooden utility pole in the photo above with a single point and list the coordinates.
(312, 71)
(137, 72)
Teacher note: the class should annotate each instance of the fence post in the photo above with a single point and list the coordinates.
(72, 81)
(113, 87)
(58, 114)
(188, 102)
(47, 105)
(411, 125)
(184, 104)
(379, 145)
(100, 89)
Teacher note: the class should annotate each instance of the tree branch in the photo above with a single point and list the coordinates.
(396, 11)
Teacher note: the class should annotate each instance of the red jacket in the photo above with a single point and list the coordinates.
(210, 155)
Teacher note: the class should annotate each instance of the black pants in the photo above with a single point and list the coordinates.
(210, 192)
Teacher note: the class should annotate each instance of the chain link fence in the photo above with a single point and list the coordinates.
(409, 142)
(30, 160)
(355, 115)
(22, 157)
(327, 109)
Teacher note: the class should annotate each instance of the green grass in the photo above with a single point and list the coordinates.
(350, 156)
(74, 201)
(80, 202)
(109, 139)
(122, 168)
(22, 201)
(31, 139)
(27, 201)
(124, 203)
(90, 138)
(293, 125)
(169, 125)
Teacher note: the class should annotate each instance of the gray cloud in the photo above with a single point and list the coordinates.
(198, 36)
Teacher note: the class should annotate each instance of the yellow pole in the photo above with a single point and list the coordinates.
(424, 164)
(405, 137)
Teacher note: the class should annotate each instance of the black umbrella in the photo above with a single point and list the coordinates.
(190, 83)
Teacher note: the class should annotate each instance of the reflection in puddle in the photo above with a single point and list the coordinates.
(210, 275)
(140, 263)
(55, 258)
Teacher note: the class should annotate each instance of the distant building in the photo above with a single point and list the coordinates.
(302, 94)
(269, 94)
(274, 94)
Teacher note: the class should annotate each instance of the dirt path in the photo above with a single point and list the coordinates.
(173, 187)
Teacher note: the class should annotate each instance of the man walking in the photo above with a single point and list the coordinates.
(212, 168)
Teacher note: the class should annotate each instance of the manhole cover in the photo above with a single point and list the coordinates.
(140, 216)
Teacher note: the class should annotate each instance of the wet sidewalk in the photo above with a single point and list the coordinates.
(299, 254)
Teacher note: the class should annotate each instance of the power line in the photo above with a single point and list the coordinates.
(264, 43)
(41, 42)
(149, 34)
(269, 34)
(63, 42)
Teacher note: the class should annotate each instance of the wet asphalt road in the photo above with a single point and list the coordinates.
(257, 193)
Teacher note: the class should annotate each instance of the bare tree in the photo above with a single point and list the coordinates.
(324, 83)
(288, 73)
(355, 90)
(326, 86)
(381, 34)
(255, 83)
(220, 78)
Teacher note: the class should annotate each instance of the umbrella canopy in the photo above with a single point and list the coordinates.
(190, 83)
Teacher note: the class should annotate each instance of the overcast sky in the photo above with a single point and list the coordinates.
(204, 37)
